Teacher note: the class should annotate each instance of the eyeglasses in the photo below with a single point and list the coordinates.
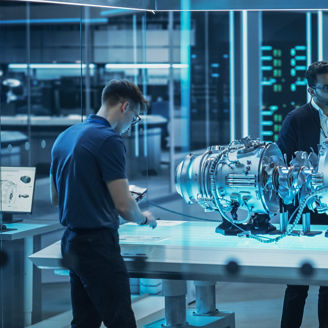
(324, 88)
(136, 119)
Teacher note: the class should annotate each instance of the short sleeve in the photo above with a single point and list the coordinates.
(111, 159)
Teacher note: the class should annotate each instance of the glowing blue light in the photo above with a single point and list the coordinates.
(50, 66)
(264, 48)
(245, 74)
(300, 68)
(301, 82)
(148, 66)
(113, 12)
(266, 68)
(53, 21)
(308, 45)
(266, 58)
(269, 82)
(266, 113)
(232, 75)
(267, 133)
(185, 37)
(320, 35)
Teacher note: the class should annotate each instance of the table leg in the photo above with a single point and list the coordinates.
(175, 303)
(28, 281)
(205, 298)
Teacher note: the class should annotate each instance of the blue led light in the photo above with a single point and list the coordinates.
(300, 47)
(264, 48)
(269, 82)
(266, 113)
(245, 126)
(185, 73)
(266, 58)
(267, 133)
(53, 20)
(50, 66)
(266, 68)
(301, 68)
(320, 35)
(301, 82)
(273, 107)
(232, 75)
(308, 45)
(267, 123)
(114, 11)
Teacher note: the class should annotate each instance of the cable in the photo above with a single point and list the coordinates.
(298, 217)
(178, 213)
(262, 239)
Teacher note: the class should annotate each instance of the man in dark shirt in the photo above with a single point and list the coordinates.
(89, 183)
(305, 128)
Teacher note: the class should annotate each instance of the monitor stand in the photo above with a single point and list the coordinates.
(8, 218)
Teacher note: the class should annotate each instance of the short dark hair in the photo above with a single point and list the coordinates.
(120, 90)
(319, 67)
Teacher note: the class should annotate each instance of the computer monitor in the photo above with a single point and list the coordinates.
(17, 191)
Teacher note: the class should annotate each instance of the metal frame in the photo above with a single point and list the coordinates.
(197, 5)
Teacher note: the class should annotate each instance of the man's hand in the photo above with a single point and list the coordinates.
(126, 206)
(151, 221)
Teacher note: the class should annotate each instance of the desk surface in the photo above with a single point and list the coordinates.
(12, 137)
(22, 120)
(27, 229)
(192, 250)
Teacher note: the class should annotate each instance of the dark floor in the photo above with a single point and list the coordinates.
(255, 305)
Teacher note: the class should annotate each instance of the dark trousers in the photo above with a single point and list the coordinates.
(294, 302)
(100, 288)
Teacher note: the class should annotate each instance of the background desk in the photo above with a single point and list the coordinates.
(45, 129)
(12, 145)
(20, 283)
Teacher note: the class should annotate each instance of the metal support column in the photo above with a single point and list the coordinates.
(245, 73)
(254, 97)
(28, 281)
(175, 303)
(205, 298)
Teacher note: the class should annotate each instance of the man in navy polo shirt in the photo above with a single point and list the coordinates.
(89, 183)
(304, 128)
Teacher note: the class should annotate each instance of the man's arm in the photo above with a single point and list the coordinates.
(53, 192)
(126, 205)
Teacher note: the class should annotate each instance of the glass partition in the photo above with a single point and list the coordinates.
(209, 77)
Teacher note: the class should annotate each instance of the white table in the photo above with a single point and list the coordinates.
(20, 284)
(182, 251)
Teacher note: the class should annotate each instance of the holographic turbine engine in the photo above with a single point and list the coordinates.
(253, 176)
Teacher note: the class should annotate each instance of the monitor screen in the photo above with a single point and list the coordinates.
(17, 189)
